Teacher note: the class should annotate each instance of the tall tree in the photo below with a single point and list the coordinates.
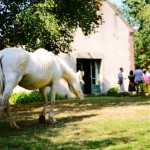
(46, 23)
(138, 14)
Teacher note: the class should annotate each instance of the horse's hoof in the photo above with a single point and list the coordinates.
(2, 108)
(2, 114)
(42, 120)
(15, 128)
(54, 122)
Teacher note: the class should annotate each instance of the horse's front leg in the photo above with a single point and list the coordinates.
(52, 102)
(43, 113)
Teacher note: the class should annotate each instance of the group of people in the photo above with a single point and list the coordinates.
(139, 80)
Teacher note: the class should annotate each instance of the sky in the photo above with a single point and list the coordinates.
(117, 2)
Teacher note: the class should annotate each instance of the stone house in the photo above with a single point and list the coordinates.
(100, 55)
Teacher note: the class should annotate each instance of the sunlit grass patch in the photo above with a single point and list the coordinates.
(101, 123)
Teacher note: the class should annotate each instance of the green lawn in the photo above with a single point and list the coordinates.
(95, 123)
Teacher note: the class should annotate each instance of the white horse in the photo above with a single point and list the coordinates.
(34, 71)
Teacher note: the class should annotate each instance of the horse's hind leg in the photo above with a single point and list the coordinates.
(6, 106)
(10, 83)
(13, 124)
(42, 115)
(11, 80)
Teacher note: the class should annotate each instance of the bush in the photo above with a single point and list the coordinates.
(113, 92)
(29, 97)
(126, 94)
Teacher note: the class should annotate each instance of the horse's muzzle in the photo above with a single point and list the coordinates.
(81, 97)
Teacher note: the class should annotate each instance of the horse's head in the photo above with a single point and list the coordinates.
(75, 86)
(80, 75)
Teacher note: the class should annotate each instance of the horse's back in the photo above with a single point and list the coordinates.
(42, 56)
(34, 70)
(14, 58)
(13, 51)
(43, 69)
(47, 61)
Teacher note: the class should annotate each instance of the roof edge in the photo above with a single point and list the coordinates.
(120, 15)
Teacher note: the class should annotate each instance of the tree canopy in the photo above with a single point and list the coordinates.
(46, 23)
(138, 14)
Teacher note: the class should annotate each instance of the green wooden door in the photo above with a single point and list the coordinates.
(95, 76)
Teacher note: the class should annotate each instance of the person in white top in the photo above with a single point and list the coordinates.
(120, 82)
(138, 73)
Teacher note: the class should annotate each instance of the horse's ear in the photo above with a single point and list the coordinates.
(80, 73)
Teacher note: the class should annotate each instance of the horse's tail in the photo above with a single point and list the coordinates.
(1, 76)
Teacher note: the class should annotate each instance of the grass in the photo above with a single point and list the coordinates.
(96, 123)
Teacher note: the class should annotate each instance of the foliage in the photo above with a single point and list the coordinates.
(138, 14)
(50, 24)
(113, 92)
(30, 97)
(126, 93)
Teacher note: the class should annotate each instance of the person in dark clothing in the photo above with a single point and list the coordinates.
(132, 83)
(138, 73)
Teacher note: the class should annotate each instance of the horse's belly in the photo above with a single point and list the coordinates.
(34, 83)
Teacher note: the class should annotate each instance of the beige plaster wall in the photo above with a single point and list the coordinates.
(110, 43)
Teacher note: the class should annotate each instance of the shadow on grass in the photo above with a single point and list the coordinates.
(32, 134)
(25, 113)
(33, 124)
(70, 119)
(104, 143)
(90, 103)
(46, 144)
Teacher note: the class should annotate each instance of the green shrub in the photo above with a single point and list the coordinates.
(29, 97)
(113, 92)
(60, 97)
(126, 94)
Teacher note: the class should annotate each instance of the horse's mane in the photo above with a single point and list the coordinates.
(68, 73)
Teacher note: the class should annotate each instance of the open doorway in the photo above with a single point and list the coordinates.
(91, 67)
